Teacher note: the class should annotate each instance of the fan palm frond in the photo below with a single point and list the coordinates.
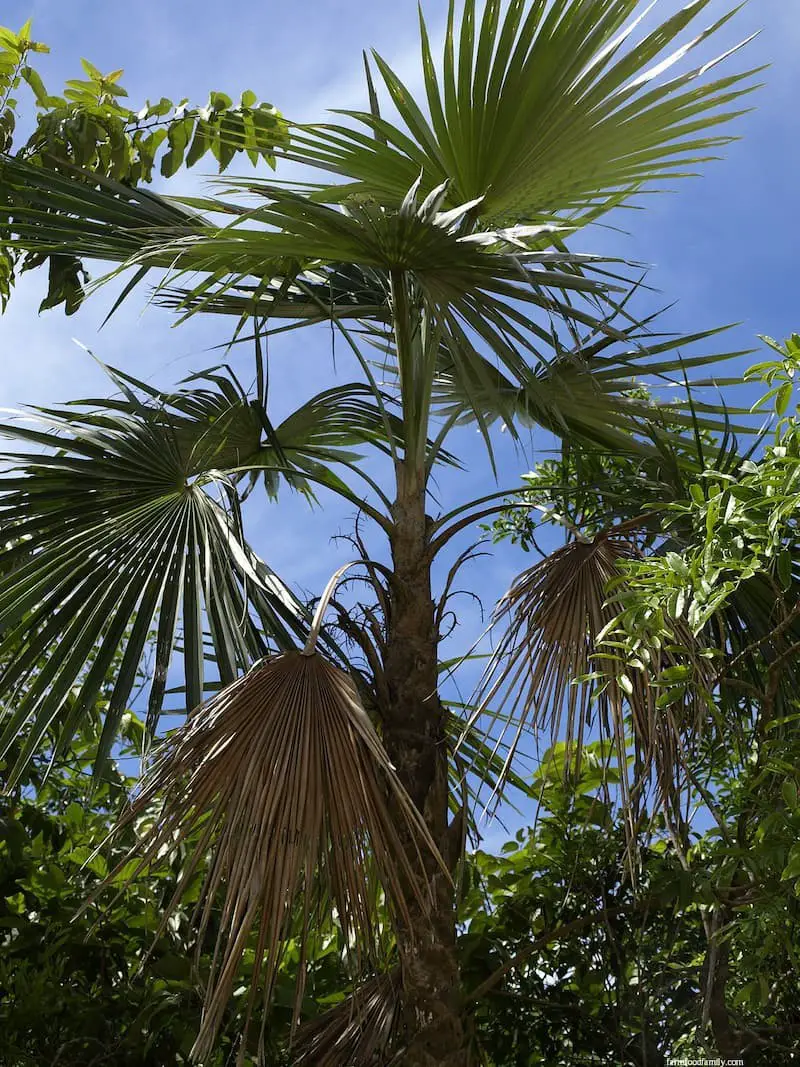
(283, 778)
(336, 293)
(126, 530)
(575, 396)
(359, 1032)
(546, 110)
(467, 288)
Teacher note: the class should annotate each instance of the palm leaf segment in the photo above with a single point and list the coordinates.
(591, 388)
(126, 531)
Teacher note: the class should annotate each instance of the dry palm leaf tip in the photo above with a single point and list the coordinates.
(283, 790)
(556, 670)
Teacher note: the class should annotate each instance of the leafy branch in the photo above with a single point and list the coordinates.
(90, 126)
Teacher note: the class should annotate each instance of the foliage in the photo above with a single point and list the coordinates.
(108, 983)
(734, 533)
(90, 126)
(778, 374)
(718, 562)
(146, 470)
(552, 84)
(600, 970)
(71, 991)
(710, 570)
(594, 968)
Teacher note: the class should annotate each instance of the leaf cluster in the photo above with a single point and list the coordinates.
(90, 125)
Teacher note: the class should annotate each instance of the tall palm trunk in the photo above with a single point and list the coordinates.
(414, 736)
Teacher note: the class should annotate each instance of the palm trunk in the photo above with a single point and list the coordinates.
(414, 736)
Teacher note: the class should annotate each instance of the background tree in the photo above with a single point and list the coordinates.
(710, 577)
(103, 988)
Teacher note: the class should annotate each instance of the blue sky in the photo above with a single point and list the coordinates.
(723, 246)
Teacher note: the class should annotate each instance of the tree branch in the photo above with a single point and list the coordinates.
(560, 932)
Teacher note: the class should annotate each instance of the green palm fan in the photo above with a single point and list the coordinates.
(124, 532)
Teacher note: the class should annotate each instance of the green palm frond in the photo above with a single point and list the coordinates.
(125, 530)
(336, 292)
(289, 243)
(493, 323)
(457, 289)
(545, 110)
(592, 389)
(105, 219)
(327, 430)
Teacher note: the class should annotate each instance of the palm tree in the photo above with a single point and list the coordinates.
(436, 246)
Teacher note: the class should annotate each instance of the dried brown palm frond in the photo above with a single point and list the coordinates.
(550, 672)
(361, 1030)
(282, 781)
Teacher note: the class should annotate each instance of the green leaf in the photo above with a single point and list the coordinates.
(785, 568)
(33, 79)
(201, 142)
(91, 70)
(671, 675)
(65, 284)
(83, 856)
(159, 110)
(671, 696)
(178, 136)
(74, 815)
(231, 138)
(677, 564)
(219, 101)
(783, 398)
(792, 868)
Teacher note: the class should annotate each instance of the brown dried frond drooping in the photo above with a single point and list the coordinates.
(550, 671)
(362, 1029)
(282, 781)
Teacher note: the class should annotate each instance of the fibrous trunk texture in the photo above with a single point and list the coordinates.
(415, 739)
